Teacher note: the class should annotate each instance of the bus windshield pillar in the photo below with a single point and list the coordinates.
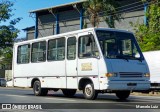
(57, 23)
(81, 18)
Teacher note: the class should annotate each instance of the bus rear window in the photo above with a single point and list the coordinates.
(23, 55)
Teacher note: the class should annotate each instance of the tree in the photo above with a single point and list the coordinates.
(148, 35)
(94, 9)
(8, 32)
(6, 57)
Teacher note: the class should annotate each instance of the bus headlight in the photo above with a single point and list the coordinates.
(111, 74)
(146, 75)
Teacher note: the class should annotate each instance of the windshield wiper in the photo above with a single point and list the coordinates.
(122, 57)
(139, 59)
(132, 57)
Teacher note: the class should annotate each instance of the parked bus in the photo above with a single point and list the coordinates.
(153, 60)
(94, 60)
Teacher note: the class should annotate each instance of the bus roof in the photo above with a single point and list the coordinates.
(69, 33)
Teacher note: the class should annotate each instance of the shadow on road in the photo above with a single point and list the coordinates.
(79, 96)
(101, 97)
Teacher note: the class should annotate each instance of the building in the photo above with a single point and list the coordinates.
(70, 17)
(30, 31)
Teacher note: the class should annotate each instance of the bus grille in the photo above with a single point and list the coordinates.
(130, 75)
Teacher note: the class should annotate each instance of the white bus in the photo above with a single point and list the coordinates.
(93, 60)
(153, 60)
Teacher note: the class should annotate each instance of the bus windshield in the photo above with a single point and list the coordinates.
(121, 45)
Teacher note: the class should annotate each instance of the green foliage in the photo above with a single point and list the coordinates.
(8, 32)
(5, 10)
(7, 56)
(95, 9)
(148, 35)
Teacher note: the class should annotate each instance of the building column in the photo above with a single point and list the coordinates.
(81, 18)
(145, 11)
(36, 27)
(57, 23)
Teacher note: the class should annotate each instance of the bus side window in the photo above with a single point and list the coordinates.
(23, 55)
(61, 48)
(71, 48)
(38, 51)
(87, 47)
(52, 50)
(56, 49)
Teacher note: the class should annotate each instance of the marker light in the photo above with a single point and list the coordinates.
(147, 75)
(111, 74)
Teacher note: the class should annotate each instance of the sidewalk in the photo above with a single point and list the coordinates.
(146, 94)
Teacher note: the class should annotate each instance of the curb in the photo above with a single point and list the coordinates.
(16, 88)
(146, 94)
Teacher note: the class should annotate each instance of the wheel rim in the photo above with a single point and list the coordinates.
(37, 87)
(88, 90)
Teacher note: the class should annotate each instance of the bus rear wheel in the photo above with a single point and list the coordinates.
(38, 91)
(69, 92)
(122, 95)
(89, 92)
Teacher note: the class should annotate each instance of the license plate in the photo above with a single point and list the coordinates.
(132, 84)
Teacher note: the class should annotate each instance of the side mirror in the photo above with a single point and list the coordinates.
(96, 55)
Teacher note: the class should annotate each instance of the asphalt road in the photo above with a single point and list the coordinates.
(60, 103)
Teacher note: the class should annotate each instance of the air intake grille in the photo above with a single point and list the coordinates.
(130, 75)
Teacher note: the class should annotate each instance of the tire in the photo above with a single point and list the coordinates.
(55, 90)
(122, 95)
(38, 91)
(69, 92)
(89, 92)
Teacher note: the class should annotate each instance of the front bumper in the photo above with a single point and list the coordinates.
(126, 85)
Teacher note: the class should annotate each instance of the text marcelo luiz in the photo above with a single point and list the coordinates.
(147, 106)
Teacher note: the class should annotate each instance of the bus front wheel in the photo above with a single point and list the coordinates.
(122, 95)
(38, 91)
(89, 92)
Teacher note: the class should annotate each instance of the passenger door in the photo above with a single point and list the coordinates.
(71, 63)
(88, 58)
